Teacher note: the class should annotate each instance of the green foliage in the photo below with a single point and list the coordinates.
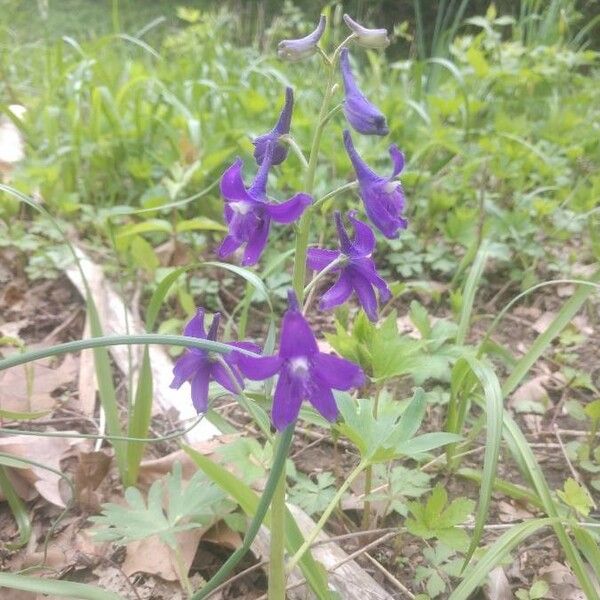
(313, 496)
(197, 504)
(576, 496)
(438, 519)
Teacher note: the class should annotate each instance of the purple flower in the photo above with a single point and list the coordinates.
(248, 212)
(357, 273)
(382, 196)
(304, 372)
(199, 367)
(361, 114)
(295, 50)
(369, 38)
(281, 128)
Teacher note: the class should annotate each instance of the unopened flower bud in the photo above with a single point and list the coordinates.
(295, 50)
(369, 38)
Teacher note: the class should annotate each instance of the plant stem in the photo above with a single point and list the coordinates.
(312, 536)
(277, 575)
(309, 181)
(183, 576)
(366, 517)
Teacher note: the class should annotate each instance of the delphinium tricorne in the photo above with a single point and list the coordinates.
(303, 371)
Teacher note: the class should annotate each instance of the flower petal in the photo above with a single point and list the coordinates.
(337, 373)
(363, 242)
(232, 183)
(200, 383)
(223, 378)
(281, 128)
(185, 367)
(384, 208)
(397, 157)
(364, 117)
(369, 38)
(319, 258)
(259, 368)
(214, 327)
(367, 267)
(250, 346)
(287, 399)
(338, 293)
(297, 338)
(364, 173)
(256, 243)
(294, 50)
(321, 397)
(258, 189)
(195, 327)
(365, 293)
(290, 210)
(228, 246)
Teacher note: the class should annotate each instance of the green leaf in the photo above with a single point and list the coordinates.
(199, 224)
(576, 496)
(198, 503)
(64, 589)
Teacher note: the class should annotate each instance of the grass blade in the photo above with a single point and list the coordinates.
(65, 589)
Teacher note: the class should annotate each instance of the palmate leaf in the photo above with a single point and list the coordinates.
(390, 433)
(195, 505)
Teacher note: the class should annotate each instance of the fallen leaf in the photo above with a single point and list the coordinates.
(222, 535)
(45, 450)
(497, 586)
(92, 468)
(563, 584)
(532, 395)
(87, 383)
(153, 556)
(29, 388)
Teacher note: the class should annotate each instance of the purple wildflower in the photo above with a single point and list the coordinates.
(356, 273)
(382, 196)
(281, 128)
(199, 367)
(369, 38)
(248, 211)
(304, 372)
(295, 50)
(361, 114)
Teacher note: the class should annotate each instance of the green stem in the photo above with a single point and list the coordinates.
(312, 536)
(309, 182)
(366, 517)
(277, 575)
(277, 468)
(183, 576)
(119, 340)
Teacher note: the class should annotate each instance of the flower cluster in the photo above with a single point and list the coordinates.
(304, 372)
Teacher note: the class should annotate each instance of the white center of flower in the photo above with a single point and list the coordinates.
(299, 366)
(241, 208)
(390, 187)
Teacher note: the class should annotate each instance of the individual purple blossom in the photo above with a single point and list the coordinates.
(198, 366)
(295, 50)
(356, 269)
(304, 371)
(282, 127)
(382, 196)
(361, 114)
(248, 211)
(369, 38)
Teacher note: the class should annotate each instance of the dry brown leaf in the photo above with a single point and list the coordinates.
(44, 379)
(45, 450)
(153, 556)
(222, 535)
(497, 586)
(87, 382)
(509, 512)
(563, 584)
(532, 395)
(92, 468)
(151, 470)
